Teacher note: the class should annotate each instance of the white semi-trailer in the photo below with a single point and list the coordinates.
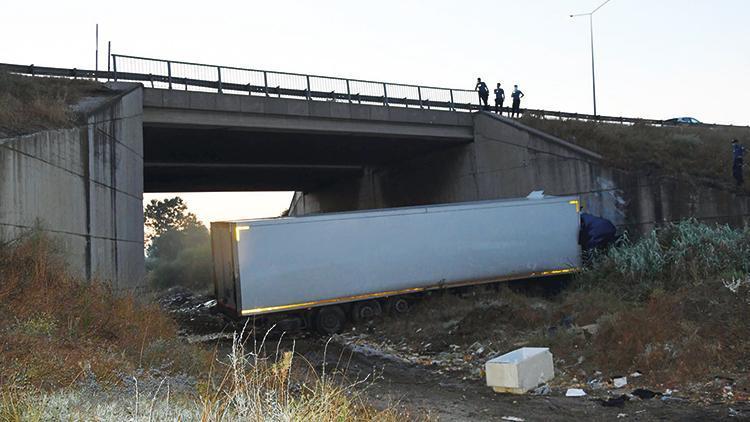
(319, 269)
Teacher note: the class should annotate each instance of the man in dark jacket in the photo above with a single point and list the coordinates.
(738, 155)
(499, 99)
(596, 232)
(484, 92)
(517, 95)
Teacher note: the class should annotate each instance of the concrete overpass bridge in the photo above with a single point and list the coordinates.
(198, 141)
(336, 155)
(340, 144)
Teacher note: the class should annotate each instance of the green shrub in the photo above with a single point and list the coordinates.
(674, 256)
(181, 258)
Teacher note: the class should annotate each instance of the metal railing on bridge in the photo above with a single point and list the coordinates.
(172, 74)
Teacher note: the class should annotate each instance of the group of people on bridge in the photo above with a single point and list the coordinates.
(484, 95)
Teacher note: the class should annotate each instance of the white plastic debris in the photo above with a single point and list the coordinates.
(520, 370)
(537, 194)
(635, 374)
(620, 382)
(575, 392)
(512, 418)
(622, 415)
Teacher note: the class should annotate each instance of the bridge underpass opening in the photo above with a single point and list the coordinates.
(223, 206)
(185, 159)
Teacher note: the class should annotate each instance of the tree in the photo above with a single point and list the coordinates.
(179, 250)
(166, 215)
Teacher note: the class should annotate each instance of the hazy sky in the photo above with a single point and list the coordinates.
(655, 59)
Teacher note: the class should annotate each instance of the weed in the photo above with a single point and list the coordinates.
(701, 153)
(263, 388)
(29, 104)
(683, 254)
(71, 324)
(92, 348)
(672, 305)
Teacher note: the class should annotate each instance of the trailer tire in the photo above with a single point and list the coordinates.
(398, 306)
(367, 310)
(330, 320)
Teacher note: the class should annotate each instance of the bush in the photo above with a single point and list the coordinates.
(684, 291)
(684, 254)
(73, 326)
(181, 257)
(179, 251)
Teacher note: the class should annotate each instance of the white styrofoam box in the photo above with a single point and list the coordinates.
(520, 370)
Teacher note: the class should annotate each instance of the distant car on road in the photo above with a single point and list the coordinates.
(683, 121)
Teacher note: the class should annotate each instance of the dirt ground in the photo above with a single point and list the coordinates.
(389, 379)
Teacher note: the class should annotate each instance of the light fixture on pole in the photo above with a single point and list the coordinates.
(591, 28)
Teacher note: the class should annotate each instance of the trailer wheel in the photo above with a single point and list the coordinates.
(398, 306)
(365, 311)
(330, 320)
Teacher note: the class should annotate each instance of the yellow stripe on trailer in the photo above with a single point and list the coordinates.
(346, 299)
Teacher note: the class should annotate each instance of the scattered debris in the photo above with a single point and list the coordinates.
(620, 382)
(645, 394)
(596, 384)
(512, 418)
(615, 401)
(567, 321)
(636, 374)
(451, 324)
(575, 392)
(542, 390)
(622, 415)
(590, 329)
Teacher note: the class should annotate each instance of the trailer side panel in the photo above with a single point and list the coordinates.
(309, 261)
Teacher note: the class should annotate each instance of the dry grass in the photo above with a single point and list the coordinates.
(679, 300)
(75, 329)
(254, 387)
(673, 305)
(29, 104)
(257, 387)
(701, 153)
(72, 350)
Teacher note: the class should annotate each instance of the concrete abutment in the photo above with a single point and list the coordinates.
(83, 186)
(507, 160)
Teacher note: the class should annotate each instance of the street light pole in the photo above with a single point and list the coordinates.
(591, 29)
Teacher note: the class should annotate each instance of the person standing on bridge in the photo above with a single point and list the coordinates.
(517, 95)
(484, 93)
(499, 99)
(738, 155)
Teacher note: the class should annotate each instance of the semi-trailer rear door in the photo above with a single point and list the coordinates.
(226, 271)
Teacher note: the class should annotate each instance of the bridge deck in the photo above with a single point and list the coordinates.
(194, 141)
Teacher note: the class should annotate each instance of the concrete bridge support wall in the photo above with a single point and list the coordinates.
(84, 187)
(508, 160)
(505, 160)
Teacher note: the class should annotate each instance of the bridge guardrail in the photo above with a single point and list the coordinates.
(171, 74)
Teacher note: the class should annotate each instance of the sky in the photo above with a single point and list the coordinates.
(654, 59)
